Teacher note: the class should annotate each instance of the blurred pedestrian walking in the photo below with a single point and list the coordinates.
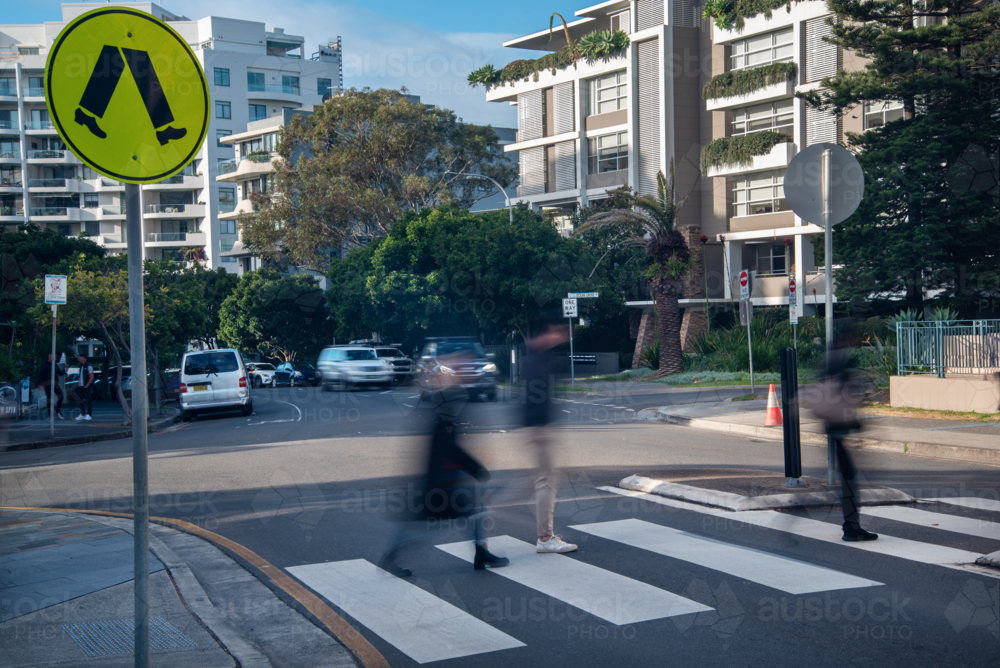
(44, 378)
(85, 389)
(539, 384)
(838, 408)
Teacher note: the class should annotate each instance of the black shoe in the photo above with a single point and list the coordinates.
(854, 534)
(389, 565)
(486, 560)
(90, 122)
(169, 133)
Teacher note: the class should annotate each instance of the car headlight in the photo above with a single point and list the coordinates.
(297, 374)
(490, 368)
(446, 369)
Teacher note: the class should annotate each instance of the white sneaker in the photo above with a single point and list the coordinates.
(60, 416)
(81, 416)
(554, 544)
(87, 417)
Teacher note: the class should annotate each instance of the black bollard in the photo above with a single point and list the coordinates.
(790, 409)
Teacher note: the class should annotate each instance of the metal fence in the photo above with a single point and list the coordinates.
(954, 346)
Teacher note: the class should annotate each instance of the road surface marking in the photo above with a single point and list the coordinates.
(971, 502)
(932, 520)
(415, 622)
(911, 550)
(788, 575)
(602, 593)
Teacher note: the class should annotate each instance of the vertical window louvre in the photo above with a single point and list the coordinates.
(564, 111)
(532, 169)
(821, 127)
(529, 115)
(648, 13)
(686, 13)
(622, 21)
(822, 58)
(649, 117)
(565, 166)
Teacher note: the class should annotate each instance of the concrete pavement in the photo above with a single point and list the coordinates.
(32, 431)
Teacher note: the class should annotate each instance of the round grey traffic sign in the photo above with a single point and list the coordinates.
(803, 183)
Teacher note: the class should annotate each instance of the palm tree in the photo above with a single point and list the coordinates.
(671, 260)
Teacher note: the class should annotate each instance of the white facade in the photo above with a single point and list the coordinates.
(253, 73)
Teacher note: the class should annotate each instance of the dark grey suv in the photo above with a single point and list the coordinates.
(456, 361)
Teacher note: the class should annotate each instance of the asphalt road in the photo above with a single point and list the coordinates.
(314, 481)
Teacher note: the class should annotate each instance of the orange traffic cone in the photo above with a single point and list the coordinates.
(773, 409)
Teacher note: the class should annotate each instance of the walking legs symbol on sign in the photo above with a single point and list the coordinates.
(104, 80)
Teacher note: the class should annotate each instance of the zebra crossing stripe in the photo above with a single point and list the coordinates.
(788, 575)
(415, 622)
(932, 520)
(971, 502)
(911, 550)
(612, 597)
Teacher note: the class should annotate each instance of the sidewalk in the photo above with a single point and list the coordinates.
(975, 442)
(67, 598)
(32, 431)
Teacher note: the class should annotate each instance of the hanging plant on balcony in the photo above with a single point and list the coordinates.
(194, 254)
(603, 43)
(739, 151)
(258, 155)
(486, 75)
(729, 14)
(744, 82)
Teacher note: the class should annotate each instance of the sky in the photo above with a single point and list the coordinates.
(427, 47)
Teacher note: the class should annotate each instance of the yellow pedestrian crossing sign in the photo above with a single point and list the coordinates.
(127, 94)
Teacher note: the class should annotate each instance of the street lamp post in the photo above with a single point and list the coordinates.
(510, 210)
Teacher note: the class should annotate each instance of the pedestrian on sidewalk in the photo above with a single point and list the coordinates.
(454, 485)
(838, 408)
(539, 377)
(85, 389)
(44, 378)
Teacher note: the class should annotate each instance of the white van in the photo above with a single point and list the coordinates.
(214, 381)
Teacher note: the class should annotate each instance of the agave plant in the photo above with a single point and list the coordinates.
(650, 356)
(486, 75)
(597, 44)
(943, 315)
(574, 47)
(909, 315)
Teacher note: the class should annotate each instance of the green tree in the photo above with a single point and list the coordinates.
(670, 260)
(214, 287)
(346, 173)
(277, 316)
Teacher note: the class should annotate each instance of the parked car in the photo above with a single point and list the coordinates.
(172, 384)
(345, 366)
(261, 373)
(476, 371)
(214, 381)
(295, 373)
(402, 366)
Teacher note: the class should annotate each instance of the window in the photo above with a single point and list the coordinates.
(227, 200)
(268, 143)
(219, 134)
(772, 260)
(226, 244)
(254, 186)
(90, 201)
(89, 174)
(324, 86)
(258, 112)
(289, 84)
(777, 116)
(173, 226)
(255, 81)
(92, 228)
(608, 93)
(608, 153)
(8, 86)
(210, 363)
(221, 76)
(754, 194)
(172, 198)
(223, 109)
(27, 50)
(773, 47)
(227, 227)
(880, 113)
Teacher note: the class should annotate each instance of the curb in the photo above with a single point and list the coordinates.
(91, 438)
(728, 501)
(935, 450)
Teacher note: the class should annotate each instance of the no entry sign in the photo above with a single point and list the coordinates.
(744, 285)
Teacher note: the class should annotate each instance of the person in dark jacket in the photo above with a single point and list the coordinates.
(44, 379)
(452, 486)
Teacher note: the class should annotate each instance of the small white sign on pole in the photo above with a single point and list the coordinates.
(744, 285)
(793, 310)
(55, 289)
(569, 308)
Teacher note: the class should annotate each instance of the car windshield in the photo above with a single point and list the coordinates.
(388, 352)
(263, 367)
(360, 354)
(302, 366)
(466, 347)
(215, 362)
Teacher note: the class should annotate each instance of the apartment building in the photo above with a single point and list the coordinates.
(253, 73)
(598, 124)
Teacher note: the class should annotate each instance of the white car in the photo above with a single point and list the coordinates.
(344, 366)
(260, 373)
(214, 381)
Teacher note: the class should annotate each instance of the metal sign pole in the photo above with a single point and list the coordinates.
(140, 399)
(52, 378)
(828, 271)
(753, 389)
(572, 366)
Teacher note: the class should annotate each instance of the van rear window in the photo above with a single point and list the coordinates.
(216, 362)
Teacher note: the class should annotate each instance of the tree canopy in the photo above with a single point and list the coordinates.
(347, 172)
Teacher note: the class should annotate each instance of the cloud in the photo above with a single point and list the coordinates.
(383, 52)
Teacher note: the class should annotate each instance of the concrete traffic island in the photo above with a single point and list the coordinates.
(750, 489)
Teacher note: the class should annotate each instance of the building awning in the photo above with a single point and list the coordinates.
(239, 250)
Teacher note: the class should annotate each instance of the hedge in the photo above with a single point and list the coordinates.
(743, 82)
(739, 151)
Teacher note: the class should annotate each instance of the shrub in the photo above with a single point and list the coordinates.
(739, 151)
(742, 82)
(726, 350)
(650, 357)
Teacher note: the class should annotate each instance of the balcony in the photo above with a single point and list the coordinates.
(11, 214)
(112, 212)
(274, 92)
(776, 91)
(34, 92)
(52, 156)
(248, 167)
(47, 183)
(7, 91)
(9, 126)
(226, 167)
(227, 207)
(105, 184)
(55, 212)
(11, 183)
(39, 125)
(11, 153)
(113, 240)
(777, 158)
(163, 239)
(177, 182)
(175, 210)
